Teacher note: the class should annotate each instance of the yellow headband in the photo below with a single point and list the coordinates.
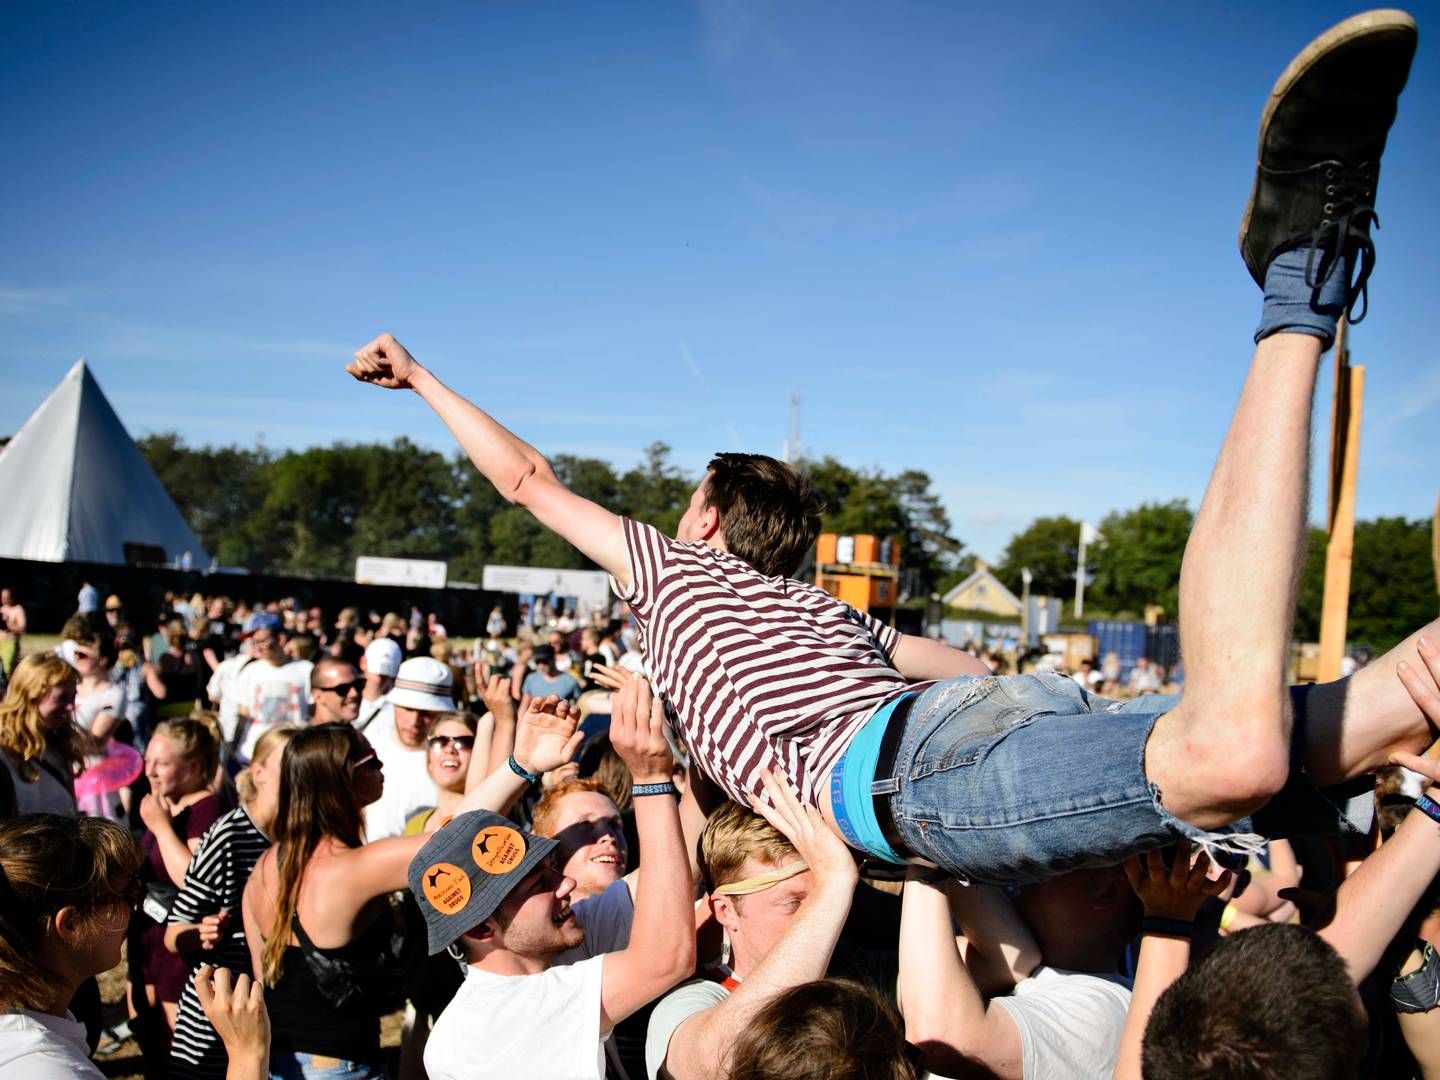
(761, 882)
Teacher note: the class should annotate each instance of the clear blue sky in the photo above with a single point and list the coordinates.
(996, 242)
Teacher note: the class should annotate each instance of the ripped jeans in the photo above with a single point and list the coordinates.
(1011, 780)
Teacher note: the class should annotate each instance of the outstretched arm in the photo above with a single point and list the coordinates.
(519, 472)
(1175, 894)
(661, 951)
(945, 1016)
(919, 658)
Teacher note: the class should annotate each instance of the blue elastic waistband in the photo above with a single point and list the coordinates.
(850, 799)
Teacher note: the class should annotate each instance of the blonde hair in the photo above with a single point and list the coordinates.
(275, 738)
(198, 739)
(21, 732)
(733, 835)
(49, 862)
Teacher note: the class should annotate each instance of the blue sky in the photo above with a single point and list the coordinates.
(994, 242)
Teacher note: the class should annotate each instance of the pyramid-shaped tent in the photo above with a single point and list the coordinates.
(75, 487)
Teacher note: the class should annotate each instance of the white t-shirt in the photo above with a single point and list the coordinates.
(408, 787)
(1070, 1023)
(222, 688)
(673, 1010)
(271, 695)
(374, 712)
(37, 1046)
(557, 1010)
(540, 1027)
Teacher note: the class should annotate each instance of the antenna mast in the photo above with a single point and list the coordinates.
(792, 439)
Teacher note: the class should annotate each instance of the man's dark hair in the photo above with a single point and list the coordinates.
(1270, 1003)
(769, 511)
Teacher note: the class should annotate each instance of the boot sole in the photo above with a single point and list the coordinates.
(1384, 20)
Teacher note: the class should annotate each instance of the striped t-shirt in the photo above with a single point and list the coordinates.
(215, 882)
(757, 671)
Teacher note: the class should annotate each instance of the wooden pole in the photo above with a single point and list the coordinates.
(1344, 464)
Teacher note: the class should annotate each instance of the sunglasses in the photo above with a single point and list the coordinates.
(344, 689)
(367, 760)
(444, 742)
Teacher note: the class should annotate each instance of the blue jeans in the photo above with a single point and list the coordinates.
(1011, 780)
(298, 1065)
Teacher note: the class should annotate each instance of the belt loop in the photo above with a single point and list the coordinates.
(888, 786)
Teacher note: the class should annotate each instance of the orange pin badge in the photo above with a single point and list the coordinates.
(447, 887)
(498, 850)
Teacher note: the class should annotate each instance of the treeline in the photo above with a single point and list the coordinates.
(313, 511)
(1392, 586)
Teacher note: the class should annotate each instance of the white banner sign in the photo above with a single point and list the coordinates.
(424, 573)
(590, 587)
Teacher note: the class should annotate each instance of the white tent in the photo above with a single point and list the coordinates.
(74, 487)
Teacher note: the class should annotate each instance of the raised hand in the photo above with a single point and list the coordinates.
(496, 695)
(155, 812)
(237, 1012)
(637, 731)
(384, 362)
(1422, 692)
(545, 735)
(1178, 892)
(612, 677)
(828, 857)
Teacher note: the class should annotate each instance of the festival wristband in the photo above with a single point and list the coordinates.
(519, 770)
(1428, 807)
(666, 788)
(1155, 924)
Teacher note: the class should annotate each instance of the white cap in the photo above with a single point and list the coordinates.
(423, 684)
(382, 657)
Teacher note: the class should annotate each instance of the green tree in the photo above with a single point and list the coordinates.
(1050, 548)
(216, 488)
(1392, 583)
(656, 491)
(1139, 561)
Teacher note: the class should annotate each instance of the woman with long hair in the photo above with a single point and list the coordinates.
(318, 920)
(69, 889)
(39, 744)
(205, 924)
(180, 760)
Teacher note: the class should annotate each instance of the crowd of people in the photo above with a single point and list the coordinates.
(747, 831)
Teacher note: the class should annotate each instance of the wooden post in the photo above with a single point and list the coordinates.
(1344, 463)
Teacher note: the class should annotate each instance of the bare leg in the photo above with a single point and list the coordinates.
(1354, 725)
(1224, 750)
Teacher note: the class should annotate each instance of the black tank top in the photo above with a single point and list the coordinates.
(329, 1001)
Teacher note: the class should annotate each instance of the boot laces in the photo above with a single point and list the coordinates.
(1345, 231)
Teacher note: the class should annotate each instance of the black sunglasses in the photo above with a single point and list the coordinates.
(462, 742)
(344, 688)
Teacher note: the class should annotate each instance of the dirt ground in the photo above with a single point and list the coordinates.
(125, 1063)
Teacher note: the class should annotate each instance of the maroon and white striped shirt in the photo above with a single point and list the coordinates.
(757, 671)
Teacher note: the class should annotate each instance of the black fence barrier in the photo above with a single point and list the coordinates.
(50, 591)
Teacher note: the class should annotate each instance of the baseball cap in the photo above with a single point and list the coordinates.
(466, 868)
(263, 620)
(382, 657)
(544, 654)
(423, 683)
